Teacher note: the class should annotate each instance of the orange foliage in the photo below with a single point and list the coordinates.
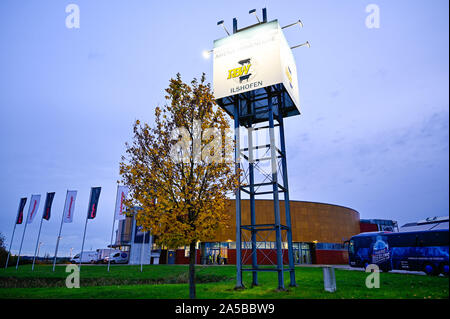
(182, 194)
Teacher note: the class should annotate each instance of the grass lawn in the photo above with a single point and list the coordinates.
(214, 282)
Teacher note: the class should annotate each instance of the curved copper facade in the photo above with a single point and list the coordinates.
(311, 221)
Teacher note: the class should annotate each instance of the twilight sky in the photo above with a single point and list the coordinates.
(373, 134)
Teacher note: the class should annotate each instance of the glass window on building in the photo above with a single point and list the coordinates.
(187, 249)
(330, 246)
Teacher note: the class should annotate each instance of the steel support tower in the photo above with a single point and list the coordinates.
(247, 106)
(262, 109)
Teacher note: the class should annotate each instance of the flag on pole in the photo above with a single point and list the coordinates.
(122, 193)
(69, 207)
(22, 203)
(93, 203)
(34, 205)
(48, 205)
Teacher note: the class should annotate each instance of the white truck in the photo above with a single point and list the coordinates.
(88, 257)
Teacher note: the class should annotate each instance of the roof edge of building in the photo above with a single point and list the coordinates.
(301, 201)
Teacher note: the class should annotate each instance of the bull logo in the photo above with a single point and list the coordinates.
(242, 72)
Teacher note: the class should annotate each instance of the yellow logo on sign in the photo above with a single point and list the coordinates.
(238, 72)
(288, 74)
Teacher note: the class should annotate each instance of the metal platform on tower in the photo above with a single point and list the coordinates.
(254, 107)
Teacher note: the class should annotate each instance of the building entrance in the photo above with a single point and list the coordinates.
(215, 253)
(302, 253)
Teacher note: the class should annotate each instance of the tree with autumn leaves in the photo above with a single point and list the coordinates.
(181, 170)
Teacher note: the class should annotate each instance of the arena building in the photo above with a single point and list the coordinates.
(319, 231)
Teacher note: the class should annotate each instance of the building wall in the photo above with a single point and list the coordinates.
(181, 259)
(135, 254)
(265, 256)
(310, 221)
(367, 227)
(140, 246)
(269, 257)
(333, 257)
(124, 230)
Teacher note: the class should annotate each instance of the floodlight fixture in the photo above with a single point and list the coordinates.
(223, 26)
(207, 53)
(301, 45)
(299, 22)
(253, 11)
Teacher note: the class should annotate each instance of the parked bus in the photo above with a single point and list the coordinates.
(415, 251)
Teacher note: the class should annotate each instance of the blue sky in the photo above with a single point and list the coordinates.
(374, 129)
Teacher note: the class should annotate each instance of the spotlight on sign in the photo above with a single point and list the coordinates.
(253, 11)
(223, 26)
(299, 22)
(207, 54)
(306, 44)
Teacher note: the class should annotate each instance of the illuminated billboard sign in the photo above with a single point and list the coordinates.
(254, 58)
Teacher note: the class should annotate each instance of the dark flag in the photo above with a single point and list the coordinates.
(19, 219)
(48, 205)
(93, 203)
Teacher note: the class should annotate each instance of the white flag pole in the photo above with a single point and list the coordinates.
(10, 245)
(59, 234)
(23, 236)
(37, 241)
(122, 192)
(112, 230)
(142, 248)
(19, 212)
(133, 235)
(150, 244)
(85, 226)
(110, 246)
(82, 246)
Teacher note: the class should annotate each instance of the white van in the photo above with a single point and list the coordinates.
(87, 257)
(120, 257)
(103, 254)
